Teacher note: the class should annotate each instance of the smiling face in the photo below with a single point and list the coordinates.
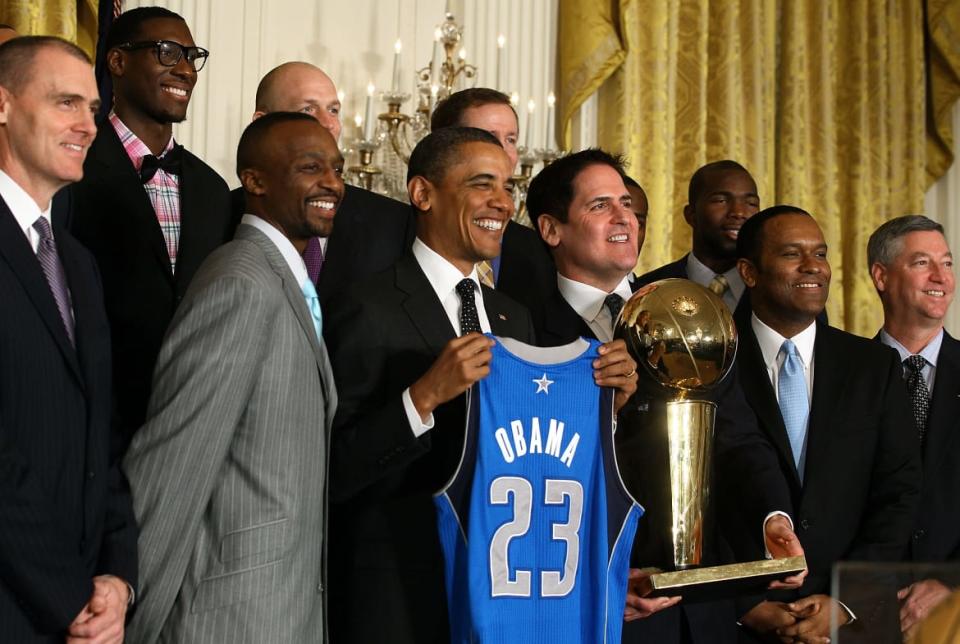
(599, 242)
(48, 124)
(299, 186)
(728, 198)
(500, 121)
(463, 215)
(791, 279)
(917, 286)
(146, 89)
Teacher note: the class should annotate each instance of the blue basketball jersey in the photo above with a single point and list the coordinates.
(535, 525)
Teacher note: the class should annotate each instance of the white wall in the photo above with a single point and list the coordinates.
(353, 42)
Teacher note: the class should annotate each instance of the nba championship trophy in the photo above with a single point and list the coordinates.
(685, 339)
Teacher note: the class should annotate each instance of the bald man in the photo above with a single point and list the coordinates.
(7, 33)
(372, 231)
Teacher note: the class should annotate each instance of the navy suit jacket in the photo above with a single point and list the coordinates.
(65, 508)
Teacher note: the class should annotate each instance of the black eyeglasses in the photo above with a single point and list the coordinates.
(169, 53)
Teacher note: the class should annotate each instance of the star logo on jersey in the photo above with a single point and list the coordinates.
(543, 384)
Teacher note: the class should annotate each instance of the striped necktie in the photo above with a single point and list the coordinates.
(53, 271)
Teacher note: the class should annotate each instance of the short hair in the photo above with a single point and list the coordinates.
(551, 191)
(127, 26)
(631, 182)
(886, 242)
(699, 177)
(450, 111)
(18, 54)
(4, 25)
(438, 151)
(250, 148)
(750, 237)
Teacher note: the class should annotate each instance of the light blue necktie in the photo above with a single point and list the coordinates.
(313, 303)
(794, 403)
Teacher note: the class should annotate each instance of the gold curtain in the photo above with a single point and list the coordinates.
(822, 100)
(943, 69)
(73, 20)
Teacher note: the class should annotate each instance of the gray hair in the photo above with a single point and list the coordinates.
(886, 242)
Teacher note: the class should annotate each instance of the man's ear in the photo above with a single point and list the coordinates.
(116, 62)
(549, 229)
(878, 273)
(689, 214)
(748, 272)
(252, 182)
(421, 193)
(4, 105)
(257, 115)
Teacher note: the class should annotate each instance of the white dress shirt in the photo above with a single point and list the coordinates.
(588, 300)
(283, 244)
(930, 353)
(443, 277)
(25, 210)
(700, 273)
(770, 342)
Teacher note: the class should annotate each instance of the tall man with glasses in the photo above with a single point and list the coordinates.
(149, 210)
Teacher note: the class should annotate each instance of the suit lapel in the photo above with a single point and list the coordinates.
(942, 425)
(502, 323)
(113, 169)
(759, 392)
(562, 323)
(829, 373)
(15, 249)
(422, 306)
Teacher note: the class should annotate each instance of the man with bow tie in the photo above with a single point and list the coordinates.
(149, 210)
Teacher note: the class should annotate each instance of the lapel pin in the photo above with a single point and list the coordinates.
(502, 316)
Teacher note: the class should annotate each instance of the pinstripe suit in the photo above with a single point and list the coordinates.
(228, 473)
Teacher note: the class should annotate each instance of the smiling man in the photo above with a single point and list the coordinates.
(912, 270)
(834, 407)
(229, 472)
(149, 210)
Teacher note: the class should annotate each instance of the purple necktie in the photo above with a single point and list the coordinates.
(313, 258)
(53, 270)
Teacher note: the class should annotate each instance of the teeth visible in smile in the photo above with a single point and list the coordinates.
(73, 146)
(807, 286)
(176, 91)
(326, 205)
(934, 293)
(489, 224)
(618, 238)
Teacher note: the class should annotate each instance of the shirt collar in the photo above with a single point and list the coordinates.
(25, 210)
(134, 147)
(588, 300)
(770, 342)
(929, 352)
(284, 245)
(700, 273)
(442, 275)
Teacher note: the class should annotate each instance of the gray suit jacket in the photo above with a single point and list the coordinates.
(229, 472)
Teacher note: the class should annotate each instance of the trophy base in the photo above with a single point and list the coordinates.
(720, 582)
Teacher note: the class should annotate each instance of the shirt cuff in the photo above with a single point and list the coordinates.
(763, 539)
(417, 425)
(850, 613)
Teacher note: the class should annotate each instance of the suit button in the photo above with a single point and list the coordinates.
(919, 534)
(805, 524)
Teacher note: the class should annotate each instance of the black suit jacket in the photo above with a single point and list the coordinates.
(740, 453)
(527, 272)
(383, 334)
(861, 488)
(370, 233)
(113, 217)
(937, 533)
(65, 509)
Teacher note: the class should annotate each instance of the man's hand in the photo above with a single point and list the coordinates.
(813, 620)
(782, 542)
(101, 620)
(615, 368)
(766, 618)
(638, 607)
(462, 362)
(917, 600)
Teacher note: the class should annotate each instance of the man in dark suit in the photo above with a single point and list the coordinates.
(722, 195)
(583, 208)
(523, 269)
(372, 231)
(149, 210)
(912, 270)
(68, 541)
(404, 348)
(834, 406)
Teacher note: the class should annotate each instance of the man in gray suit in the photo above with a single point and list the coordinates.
(229, 472)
